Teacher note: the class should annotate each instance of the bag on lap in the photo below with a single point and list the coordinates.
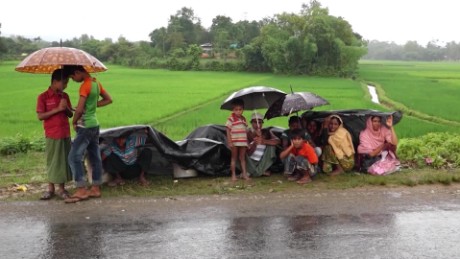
(386, 165)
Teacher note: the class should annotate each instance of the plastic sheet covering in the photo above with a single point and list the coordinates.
(354, 120)
(205, 149)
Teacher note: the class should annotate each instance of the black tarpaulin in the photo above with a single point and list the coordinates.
(205, 149)
(354, 120)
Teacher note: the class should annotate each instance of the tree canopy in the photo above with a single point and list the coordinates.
(309, 42)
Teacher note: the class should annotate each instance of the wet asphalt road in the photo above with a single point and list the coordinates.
(422, 222)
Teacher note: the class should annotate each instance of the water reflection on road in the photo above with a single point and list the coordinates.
(427, 234)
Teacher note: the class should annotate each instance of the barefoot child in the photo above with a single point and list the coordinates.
(300, 158)
(237, 138)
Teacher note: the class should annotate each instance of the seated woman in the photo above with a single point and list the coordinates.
(338, 153)
(374, 139)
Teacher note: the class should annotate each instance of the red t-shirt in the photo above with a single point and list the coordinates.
(306, 151)
(56, 126)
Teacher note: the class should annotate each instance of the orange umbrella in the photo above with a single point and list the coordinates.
(45, 61)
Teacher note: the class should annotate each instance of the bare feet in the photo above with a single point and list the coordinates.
(245, 177)
(143, 181)
(336, 172)
(304, 180)
(234, 179)
(295, 176)
(117, 181)
(267, 173)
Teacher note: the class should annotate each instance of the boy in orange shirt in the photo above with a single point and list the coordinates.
(300, 158)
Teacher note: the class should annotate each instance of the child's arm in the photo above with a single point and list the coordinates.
(46, 115)
(229, 138)
(287, 151)
(106, 99)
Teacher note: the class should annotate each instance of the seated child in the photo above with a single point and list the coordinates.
(299, 158)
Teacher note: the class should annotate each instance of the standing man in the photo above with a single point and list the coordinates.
(86, 125)
(53, 108)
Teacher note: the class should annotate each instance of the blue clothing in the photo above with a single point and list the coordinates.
(128, 154)
(87, 139)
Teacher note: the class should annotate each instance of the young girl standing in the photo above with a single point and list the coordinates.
(237, 138)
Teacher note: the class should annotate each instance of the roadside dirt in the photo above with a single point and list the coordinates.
(28, 191)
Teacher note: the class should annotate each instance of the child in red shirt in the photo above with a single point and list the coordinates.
(53, 108)
(300, 158)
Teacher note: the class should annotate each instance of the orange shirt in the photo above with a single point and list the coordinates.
(85, 87)
(307, 151)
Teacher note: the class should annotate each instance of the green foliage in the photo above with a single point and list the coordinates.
(13, 145)
(21, 144)
(437, 150)
(424, 87)
(159, 94)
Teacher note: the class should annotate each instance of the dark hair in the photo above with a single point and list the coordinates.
(297, 133)
(266, 134)
(71, 69)
(294, 119)
(237, 102)
(58, 75)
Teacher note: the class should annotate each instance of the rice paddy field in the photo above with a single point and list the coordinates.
(177, 102)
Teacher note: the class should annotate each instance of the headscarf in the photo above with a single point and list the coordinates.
(341, 141)
(370, 139)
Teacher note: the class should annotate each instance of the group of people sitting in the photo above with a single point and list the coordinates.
(310, 147)
(304, 149)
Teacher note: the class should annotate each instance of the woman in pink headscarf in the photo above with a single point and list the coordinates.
(375, 139)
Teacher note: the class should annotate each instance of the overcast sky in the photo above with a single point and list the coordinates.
(384, 20)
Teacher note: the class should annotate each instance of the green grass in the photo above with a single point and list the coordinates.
(432, 88)
(149, 96)
(178, 102)
(29, 169)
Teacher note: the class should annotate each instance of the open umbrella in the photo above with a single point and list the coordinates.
(254, 97)
(294, 102)
(45, 61)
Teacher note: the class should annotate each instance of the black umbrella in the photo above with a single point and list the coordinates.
(294, 102)
(254, 97)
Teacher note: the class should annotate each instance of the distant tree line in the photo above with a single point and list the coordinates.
(412, 51)
(311, 43)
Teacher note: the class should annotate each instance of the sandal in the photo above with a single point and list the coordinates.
(94, 194)
(74, 199)
(304, 180)
(47, 195)
(64, 194)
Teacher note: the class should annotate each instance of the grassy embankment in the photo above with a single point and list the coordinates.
(178, 102)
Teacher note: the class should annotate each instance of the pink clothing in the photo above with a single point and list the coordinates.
(370, 139)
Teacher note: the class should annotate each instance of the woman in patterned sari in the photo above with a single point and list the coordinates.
(338, 153)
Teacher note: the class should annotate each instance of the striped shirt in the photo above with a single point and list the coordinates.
(128, 154)
(238, 129)
(258, 153)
